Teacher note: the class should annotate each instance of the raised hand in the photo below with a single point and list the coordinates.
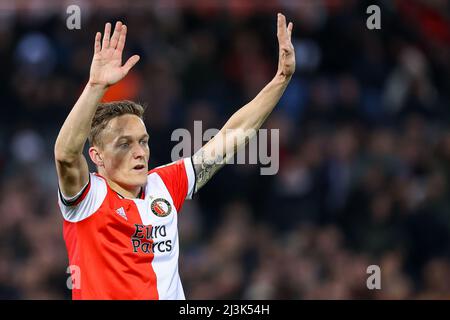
(106, 67)
(286, 58)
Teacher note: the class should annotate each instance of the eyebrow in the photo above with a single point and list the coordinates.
(131, 137)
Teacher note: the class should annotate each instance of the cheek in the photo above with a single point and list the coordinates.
(116, 160)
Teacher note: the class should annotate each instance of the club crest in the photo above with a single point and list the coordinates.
(161, 207)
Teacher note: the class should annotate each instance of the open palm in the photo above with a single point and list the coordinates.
(106, 67)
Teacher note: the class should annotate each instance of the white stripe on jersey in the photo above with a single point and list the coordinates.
(165, 264)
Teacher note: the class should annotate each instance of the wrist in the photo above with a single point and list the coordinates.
(96, 86)
(281, 79)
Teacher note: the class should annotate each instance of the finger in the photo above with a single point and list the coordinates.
(116, 34)
(289, 29)
(122, 38)
(106, 35)
(97, 46)
(281, 26)
(130, 63)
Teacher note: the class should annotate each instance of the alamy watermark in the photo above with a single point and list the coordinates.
(74, 280)
(260, 149)
(374, 20)
(73, 21)
(374, 280)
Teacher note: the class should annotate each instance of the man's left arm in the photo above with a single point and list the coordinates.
(243, 124)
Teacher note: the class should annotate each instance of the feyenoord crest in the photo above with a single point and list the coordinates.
(161, 207)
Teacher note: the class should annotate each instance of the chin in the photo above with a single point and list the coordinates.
(141, 180)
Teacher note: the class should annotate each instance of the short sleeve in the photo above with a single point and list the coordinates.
(179, 179)
(86, 202)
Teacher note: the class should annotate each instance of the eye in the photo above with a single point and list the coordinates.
(144, 142)
(124, 145)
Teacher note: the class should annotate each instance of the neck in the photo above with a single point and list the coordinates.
(125, 192)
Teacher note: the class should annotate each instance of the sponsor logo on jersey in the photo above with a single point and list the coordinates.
(150, 239)
(161, 207)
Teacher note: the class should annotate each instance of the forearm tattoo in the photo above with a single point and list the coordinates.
(205, 167)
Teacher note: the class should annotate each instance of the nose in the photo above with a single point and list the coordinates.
(138, 152)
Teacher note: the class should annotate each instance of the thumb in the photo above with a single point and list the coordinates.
(130, 63)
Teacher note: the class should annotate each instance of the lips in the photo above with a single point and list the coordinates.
(139, 167)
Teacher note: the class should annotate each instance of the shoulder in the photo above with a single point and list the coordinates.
(86, 202)
(178, 177)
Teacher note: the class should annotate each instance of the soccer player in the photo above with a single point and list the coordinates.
(120, 224)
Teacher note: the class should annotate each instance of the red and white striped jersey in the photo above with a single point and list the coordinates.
(128, 248)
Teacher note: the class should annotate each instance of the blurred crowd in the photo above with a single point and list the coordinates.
(364, 143)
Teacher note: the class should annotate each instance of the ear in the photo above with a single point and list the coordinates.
(96, 156)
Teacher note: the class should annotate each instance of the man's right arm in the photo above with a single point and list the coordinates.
(106, 70)
(71, 165)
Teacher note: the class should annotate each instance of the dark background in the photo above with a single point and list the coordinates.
(364, 142)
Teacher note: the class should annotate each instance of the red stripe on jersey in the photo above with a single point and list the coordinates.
(101, 246)
(175, 179)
